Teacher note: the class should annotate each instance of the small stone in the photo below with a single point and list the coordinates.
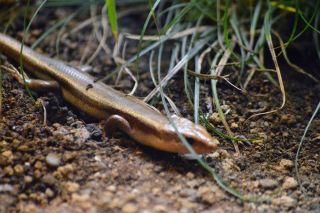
(71, 187)
(159, 208)
(288, 119)
(112, 188)
(253, 124)
(53, 160)
(215, 118)
(22, 196)
(284, 201)
(156, 191)
(49, 193)
(225, 107)
(7, 154)
(8, 170)
(18, 169)
(234, 125)
(68, 156)
(77, 198)
(263, 208)
(115, 203)
(30, 208)
(189, 193)
(285, 134)
(83, 202)
(268, 183)
(23, 148)
(38, 165)
(49, 180)
(190, 175)
(289, 183)
(6, 157)
(129, 208)
(28, 179)
(206, 194)
(7, 188)
(64, 170)
(81, 134)
(285, 163)
(37, 173)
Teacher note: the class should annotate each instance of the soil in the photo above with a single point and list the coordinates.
(67, 165)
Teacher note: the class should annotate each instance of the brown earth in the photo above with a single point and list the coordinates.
(69, 166)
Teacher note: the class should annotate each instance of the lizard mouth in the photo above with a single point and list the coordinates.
(199, 146)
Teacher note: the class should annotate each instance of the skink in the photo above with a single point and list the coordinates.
(126, 113)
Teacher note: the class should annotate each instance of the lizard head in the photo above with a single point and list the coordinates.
(165, 137)
(197, 136)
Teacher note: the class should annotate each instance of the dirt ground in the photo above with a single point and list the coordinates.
(69, 166)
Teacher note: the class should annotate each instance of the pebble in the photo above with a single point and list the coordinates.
(112, 188)
(49, 193)
(252, 124)
(268, 183)
(190, 175)
(82, 134)
(285, 134)
(30, 208)
(8, 170)
(263, 208)
(289, 183)
(18, 169)
(6, 157)
(7, 154)
(38, 165)
(159, 208)
(96, 133)
(284, 201)
(53, 160)
(234, 125)
(6, 188)
(285, 163)
(27, 179)
(71, 186)
(215, 118)
(129, 208)
(288, 119)
(37, 173)
(49, 180)
(64, 170)
(83, 202)
(23, 148)
(115, 203)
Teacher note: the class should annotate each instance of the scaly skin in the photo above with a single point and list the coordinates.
(127, 113)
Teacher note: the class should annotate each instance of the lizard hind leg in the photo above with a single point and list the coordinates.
(115, 122)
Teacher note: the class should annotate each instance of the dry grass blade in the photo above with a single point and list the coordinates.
(296, 161)
(198, 63)
(199, 45)
(294, 66)
(102, 39)
(280, 80)
(177, 35)
(224, 59)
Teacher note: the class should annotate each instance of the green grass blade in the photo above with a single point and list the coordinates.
(300, 145)
(112, 16)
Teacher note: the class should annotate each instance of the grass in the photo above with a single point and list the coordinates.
(213, 39)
